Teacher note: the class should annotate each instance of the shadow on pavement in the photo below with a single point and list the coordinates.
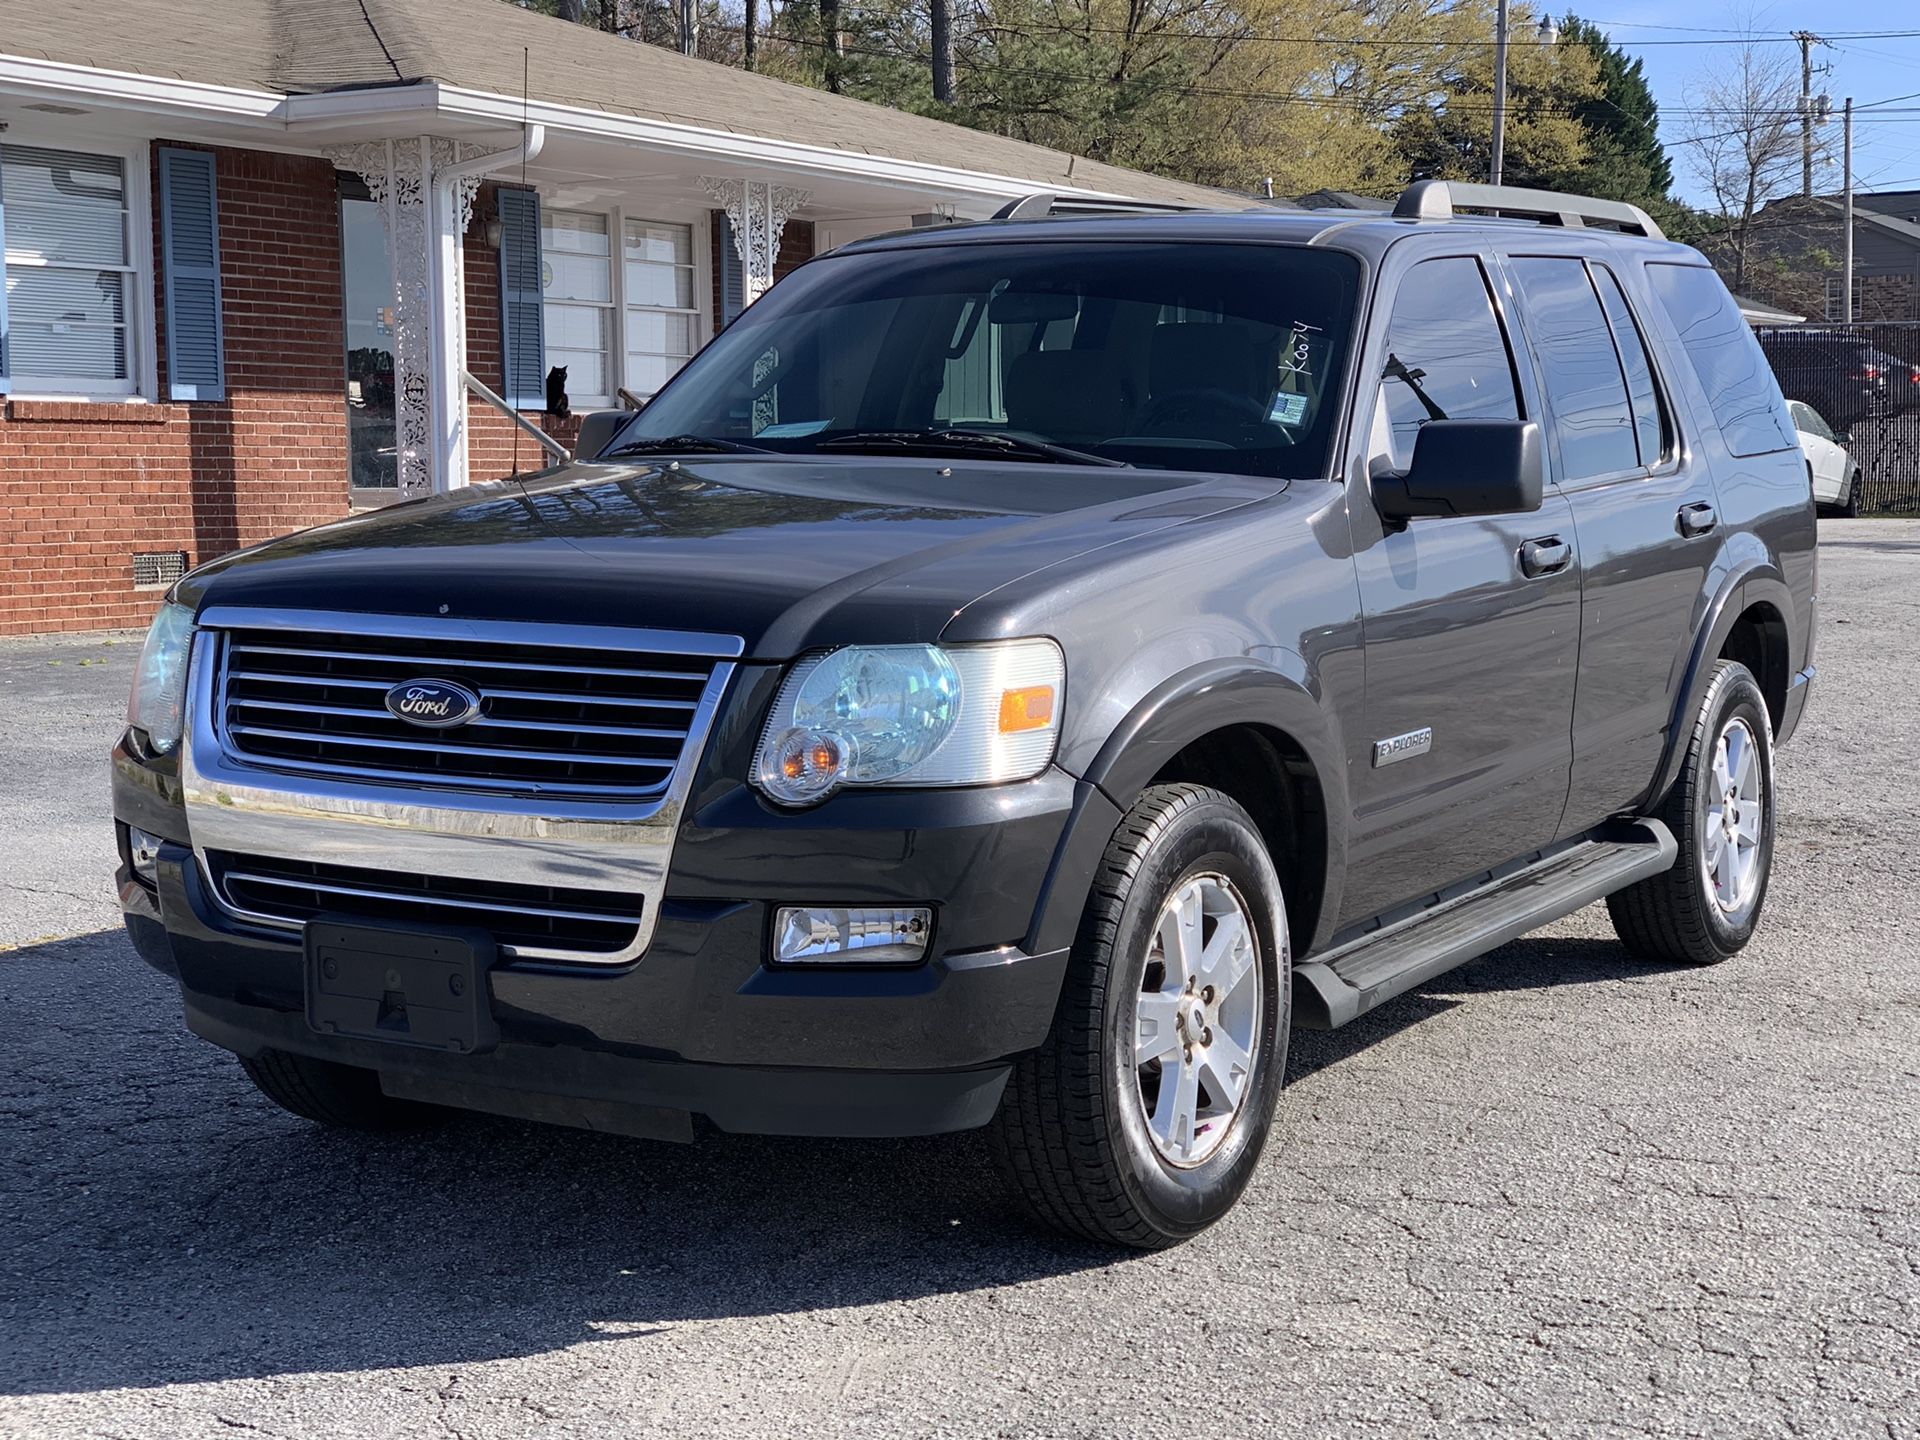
(164, 1224)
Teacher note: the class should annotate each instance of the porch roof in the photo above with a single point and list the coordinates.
(311, 47)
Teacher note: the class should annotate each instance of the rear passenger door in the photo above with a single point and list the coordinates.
(1470, 621)
(1644, 510)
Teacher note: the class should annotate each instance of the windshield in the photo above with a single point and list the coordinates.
(1192, 356)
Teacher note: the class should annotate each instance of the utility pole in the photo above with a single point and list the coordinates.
(752, 55)
(1499, 92)
(1807, 41)
(689, 26)
(1846, 212)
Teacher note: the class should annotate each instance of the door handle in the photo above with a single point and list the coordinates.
(1548, 555)
(1698, 519)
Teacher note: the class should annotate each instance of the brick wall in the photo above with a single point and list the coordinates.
(85, 486)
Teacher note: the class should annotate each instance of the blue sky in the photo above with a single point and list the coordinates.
(1886, 147)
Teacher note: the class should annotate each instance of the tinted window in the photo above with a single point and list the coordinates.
(1649, 420)
(1446, 356)
(1196, 356)
(1740, 387)
(1579, 368)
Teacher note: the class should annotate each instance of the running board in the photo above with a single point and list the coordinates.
(1344, 983)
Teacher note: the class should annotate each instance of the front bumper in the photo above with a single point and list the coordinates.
(701, 1023)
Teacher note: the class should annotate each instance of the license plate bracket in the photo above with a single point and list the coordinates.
(401, 984)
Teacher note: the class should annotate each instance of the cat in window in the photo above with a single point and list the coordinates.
(557, 405)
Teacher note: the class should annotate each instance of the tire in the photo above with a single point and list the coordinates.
(1074, 1135)
(1850, 502)
(1683, 916)
(342, 1097)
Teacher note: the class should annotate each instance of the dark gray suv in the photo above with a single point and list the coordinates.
(1014, 675)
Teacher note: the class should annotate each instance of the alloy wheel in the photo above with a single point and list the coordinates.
(1197, 1020)
(1730, 839)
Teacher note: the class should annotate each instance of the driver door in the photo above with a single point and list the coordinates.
(1471, 623)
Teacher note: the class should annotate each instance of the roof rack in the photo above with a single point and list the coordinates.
(1040, 206)
(1443, 199)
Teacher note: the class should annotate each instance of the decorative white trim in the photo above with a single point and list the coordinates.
(758, 211)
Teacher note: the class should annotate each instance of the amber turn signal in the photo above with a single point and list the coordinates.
(1029, 708)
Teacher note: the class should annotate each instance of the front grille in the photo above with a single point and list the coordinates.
(556, 718)
(529, 920)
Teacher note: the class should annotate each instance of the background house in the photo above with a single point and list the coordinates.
(253, 252)
(1795, 248)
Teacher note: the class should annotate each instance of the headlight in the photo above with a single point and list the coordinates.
(912, 715)
(160, 684)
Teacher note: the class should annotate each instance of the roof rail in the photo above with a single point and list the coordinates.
(1442, 199)
(1040, 206)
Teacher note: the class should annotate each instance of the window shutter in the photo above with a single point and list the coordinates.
(190, 245)
(733, 286)
(522, 334)
(3, 280)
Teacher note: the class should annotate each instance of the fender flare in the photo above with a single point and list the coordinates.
(1214, 695)
(1753, 583)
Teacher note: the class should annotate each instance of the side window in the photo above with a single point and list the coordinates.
(1579, 368)
(1446, 357)
(1741, 390)
(1649, 419)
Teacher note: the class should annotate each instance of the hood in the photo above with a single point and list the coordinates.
(788, 553)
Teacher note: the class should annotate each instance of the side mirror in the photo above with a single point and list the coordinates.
(597, 429)
(1466, 467)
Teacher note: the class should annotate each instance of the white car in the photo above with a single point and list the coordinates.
(1836, 474)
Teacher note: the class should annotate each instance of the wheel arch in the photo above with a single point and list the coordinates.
(1750, 619)
(1256, 731)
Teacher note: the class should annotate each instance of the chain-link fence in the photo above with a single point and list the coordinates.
(1865, 382)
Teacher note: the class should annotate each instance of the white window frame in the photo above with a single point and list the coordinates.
(698, 330)
(704, 322)
(136, 157)
(611, 305)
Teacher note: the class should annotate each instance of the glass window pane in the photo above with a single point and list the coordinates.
(67, 352)
(372, 458)
(647, 373)
(576, 277)
(671, 287)
(573, 232)
(1741, 390)
(66, 297)
(1649, 421)
(1579, 368)
(661, 244)
(1446, 355)
(63, 205)
(655, 333)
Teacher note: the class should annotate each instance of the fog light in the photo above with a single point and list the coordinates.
(831, 935)
(143, 855)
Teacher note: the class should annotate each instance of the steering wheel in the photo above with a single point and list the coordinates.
(1198, 405)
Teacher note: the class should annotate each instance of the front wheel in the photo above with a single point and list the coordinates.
(1141, 1119)
(1705, 908)
(1850, 502)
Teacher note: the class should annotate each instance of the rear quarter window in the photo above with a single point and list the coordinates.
(1726, 356)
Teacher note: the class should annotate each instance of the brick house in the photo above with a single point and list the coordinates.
(1794, 256)
(267, 263)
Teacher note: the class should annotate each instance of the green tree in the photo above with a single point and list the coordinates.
(1625, 159)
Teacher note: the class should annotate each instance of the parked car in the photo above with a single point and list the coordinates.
(1011, 678)
(1833, 470)
(1846, 379)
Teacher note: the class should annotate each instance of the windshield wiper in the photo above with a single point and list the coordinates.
(965, 442)
(682, 444)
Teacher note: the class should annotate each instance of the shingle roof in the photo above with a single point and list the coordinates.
(305, 46)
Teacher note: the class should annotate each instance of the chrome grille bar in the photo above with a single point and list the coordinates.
(564, 710)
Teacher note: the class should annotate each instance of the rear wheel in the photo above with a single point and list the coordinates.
(345, 1097)
(1705, 908)
(1141, 1119)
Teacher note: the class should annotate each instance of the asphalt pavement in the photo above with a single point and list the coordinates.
(1553, 1193)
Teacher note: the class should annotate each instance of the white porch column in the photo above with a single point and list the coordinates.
(425, 189)
(758, 211)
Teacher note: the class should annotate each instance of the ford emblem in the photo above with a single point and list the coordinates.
(434, 704)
